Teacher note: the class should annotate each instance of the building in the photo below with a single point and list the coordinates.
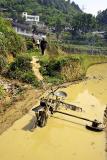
(99, 33)
(27, 26)
(30, 18)
(23, 29)
(26, 30)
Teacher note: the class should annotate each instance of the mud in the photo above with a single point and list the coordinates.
(64, 137)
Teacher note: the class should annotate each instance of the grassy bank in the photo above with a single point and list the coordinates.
(67, 68)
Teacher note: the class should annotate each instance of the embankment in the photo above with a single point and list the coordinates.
(68, 68)
(19, 108)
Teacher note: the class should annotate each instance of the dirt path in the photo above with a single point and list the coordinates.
(35, 68)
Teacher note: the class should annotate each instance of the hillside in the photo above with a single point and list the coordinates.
(48, 10)
(102, 18)
(10, 42)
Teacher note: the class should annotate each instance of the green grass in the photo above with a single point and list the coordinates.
(51, 68)
(51, 64)
(89, 60)
(21, 69)
(34, 52)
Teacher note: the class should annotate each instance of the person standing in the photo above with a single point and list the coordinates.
(38, 43)
(43, 45)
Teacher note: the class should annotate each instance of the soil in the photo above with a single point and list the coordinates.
(35, 68)
(24, 103)
(19, 108)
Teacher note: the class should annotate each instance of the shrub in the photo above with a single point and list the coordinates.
(22, 62)
(29, 77)
(29, 44)
(3, 44)
(2, 91)
(21, 69)
(2, 62)
(11, 42)
(50, 68)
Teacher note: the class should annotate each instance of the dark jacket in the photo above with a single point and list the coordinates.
(43, 44)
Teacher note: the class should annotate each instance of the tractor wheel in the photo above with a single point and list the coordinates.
(42, 119)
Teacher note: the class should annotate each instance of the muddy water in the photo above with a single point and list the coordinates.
(64, 137)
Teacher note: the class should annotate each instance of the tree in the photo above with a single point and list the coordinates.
(59, 26)
(83, 23)
(102, 19)
(48, 10)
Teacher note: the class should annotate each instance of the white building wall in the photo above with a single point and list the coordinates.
(30, 18)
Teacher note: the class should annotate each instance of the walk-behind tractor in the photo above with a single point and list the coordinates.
(52, 104)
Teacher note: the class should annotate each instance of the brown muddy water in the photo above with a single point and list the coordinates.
(64, 137)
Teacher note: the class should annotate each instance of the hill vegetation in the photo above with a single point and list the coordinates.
(63, 18)
(102, 19)
(13, 45)
(10, 42)
(48, 10)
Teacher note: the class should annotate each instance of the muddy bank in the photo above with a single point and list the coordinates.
(25, 102)
(19, 108)
(16, 99)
